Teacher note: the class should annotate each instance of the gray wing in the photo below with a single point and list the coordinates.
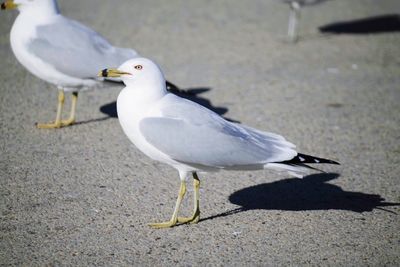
(194, 135)
(75, 49)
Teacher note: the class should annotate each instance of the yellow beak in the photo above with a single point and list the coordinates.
(9, 4)
(112, 73)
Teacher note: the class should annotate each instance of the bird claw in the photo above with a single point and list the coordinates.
(168, 224)
(67, 122)
(55, 125)
(192, 220)
(52, 125)
(181, 220)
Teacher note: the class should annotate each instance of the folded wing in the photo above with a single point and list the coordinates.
(75, 49)
(191, 134)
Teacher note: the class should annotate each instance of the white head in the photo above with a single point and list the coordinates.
(36, 7)
(139, 73)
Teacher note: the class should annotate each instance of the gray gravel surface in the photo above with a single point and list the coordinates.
(83, 195)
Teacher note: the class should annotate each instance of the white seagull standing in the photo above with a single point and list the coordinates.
(190, 137)
(60, 51)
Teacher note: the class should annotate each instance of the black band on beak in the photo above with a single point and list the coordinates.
(104, 73)
(3, 6)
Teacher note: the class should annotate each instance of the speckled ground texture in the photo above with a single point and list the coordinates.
(83, 195)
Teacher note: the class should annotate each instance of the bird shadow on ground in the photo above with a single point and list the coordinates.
(371, 25)
(90, 121)
(191, 94)
(309, 193)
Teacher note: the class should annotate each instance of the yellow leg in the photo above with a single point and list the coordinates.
(71, 119)
(196, 211)
(57, 123)
(174, 218)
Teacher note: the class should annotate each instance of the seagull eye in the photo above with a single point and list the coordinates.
(138, 67)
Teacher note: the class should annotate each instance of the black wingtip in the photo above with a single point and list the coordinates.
(334, 162)
(303, 159)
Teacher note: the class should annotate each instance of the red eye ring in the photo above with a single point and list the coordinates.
(138, 67)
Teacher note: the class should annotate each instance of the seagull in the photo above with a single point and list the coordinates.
(60, 51)
(294, 16)
(192, 138)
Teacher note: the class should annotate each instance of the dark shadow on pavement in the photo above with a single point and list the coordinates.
(309, 193)
(192, 94)
(379, 24)
(90, 121)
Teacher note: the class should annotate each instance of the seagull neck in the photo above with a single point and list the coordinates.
(42, 12)
(147, 88)
(149, 92)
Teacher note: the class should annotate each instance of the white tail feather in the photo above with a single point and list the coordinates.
(297, 171)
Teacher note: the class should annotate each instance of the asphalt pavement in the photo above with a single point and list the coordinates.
(83, 195)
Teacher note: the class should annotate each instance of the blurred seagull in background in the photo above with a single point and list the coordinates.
(60, 51)
(191, 138)
(294, 16)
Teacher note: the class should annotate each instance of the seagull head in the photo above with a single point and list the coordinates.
(137, 72)
(34, 6)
